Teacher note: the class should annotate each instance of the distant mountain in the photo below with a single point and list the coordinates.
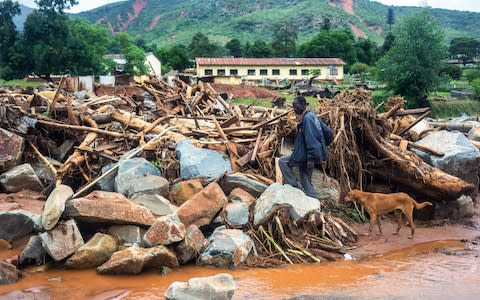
(20, 19)
(173, 21)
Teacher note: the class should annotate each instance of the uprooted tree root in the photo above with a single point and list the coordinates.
(318, 237)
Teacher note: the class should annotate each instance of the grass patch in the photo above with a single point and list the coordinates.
(454, 108)
(19, 83)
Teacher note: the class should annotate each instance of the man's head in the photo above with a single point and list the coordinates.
(299, 104)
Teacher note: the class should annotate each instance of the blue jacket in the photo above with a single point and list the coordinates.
(313, 137)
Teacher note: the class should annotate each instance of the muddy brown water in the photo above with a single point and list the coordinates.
(435, 265)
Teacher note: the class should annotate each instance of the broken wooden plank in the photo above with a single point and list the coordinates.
(414, 123)
(257, 145)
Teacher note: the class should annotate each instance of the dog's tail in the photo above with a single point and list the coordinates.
(421, 205)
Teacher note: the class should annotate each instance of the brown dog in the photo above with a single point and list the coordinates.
(378, 204)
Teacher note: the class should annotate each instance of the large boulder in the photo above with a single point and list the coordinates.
(33, 253)
(237, 214)
(203, 206)
(55, 205)
(17, 224)
(218, 287)
(248, 184)
(192, 245)
(131, 170)
(95, 252)
(277, 194)
(150, 184)
(8, 272)
(326, 187)
(196, 162)
(21, 177)
(129, 234)
(228, 248)
(165, 231)
(11, 150)
(461, 159)
(157, 204)
(133, 260)
(64, 240)
(184, 190)
(106, 207)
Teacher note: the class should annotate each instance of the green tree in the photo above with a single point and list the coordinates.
(465, 48)
(335, 43)
(200, 46)
(366, 51)
(453, 71)
(476, 88)
(326, 24)
(359, 68)
(387, 44)
(258, 49)
(234, 47)
(123, 43)
(390, 18)
(175, 57)
(284, 43)
(412, 66)
(10, 48)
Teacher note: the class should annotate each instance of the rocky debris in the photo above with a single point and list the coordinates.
(55, 205)
(32, 202)
(327, 188)
(228, 248)
(149, 184)
(192, 245)
(11, 150)
(236, 214)
(8, 272)
(37, 293)
(459, 209)
(133, 260)
(239, 194)
(196, 162)
(157, 204)
(130, 171)
(299, 203)
(33, 253)
(129, 234)
(165, 231)
(63, 240)
(17, 224)
(218, 287)
(252, 186)
(474, 134)
(19, 178)
(461, 159)
(203, 206)
(95, 252)
(106, 207)
(184, 190)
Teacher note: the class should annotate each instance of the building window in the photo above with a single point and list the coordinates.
(251, 71)
(276, 72)
(333, 71)
(233, 72)
(305, 72)
(316, 72)
(221, 72)
(208, 72)
(263, 72)
(293, 71)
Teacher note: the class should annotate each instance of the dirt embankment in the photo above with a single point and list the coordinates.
(243, 91)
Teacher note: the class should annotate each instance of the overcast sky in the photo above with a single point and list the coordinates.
(471, 5)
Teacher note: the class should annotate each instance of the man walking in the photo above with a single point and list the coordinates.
(310, 147)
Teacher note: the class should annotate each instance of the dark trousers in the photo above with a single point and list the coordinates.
(305, 176)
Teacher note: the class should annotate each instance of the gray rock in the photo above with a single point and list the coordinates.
(19, 178)
(64, 240)
(474, 134)
(461, 159)
(150, 184)
(64, 148)
(191, 246)
(228, 248)
(33, 253)
(201, 162)
(218, 287)
(165, 231)
(300, 204)
(326, 187)
(129, 234)
(11, 150)
(157, 204)
(130, 171)
(95, 252)
(55, 205)
(237, 213)
(238, 194)
(465, 207)
(8, 272)
(16, 224)
(252, 186)
(133, 260)
(107, 184)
